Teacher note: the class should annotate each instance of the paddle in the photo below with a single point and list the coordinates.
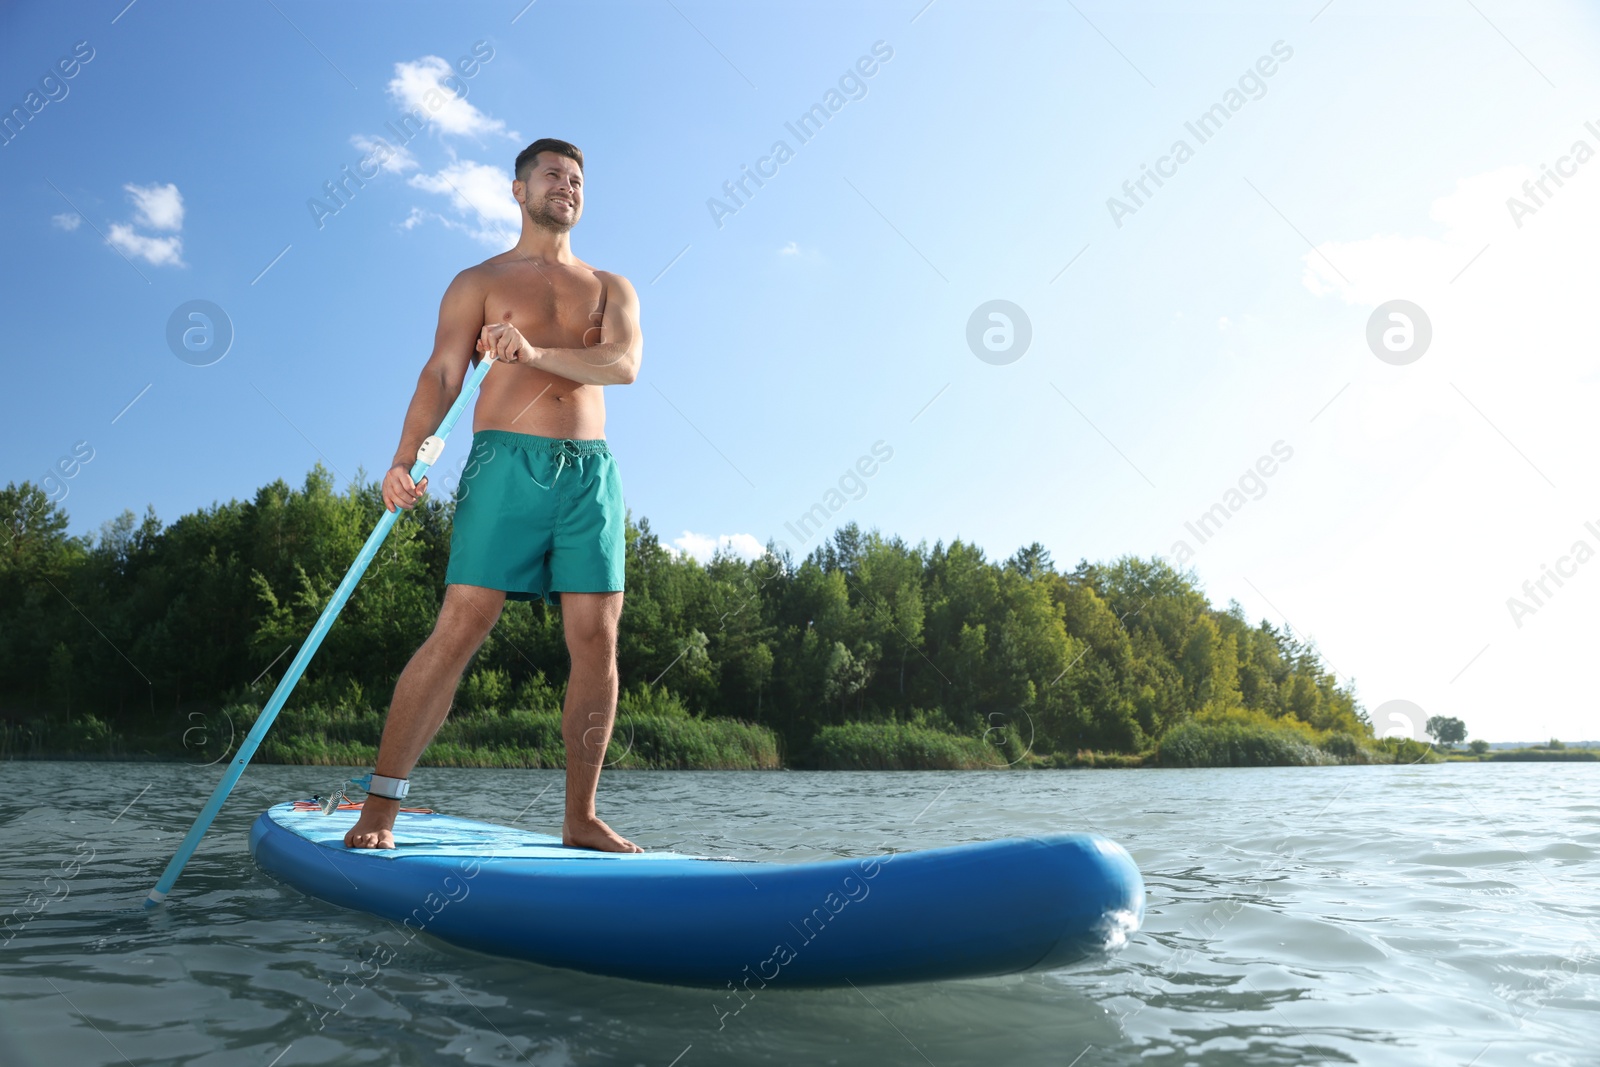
(427, 456)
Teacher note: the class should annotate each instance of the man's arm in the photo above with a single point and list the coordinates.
(460, 318)
(613, 360)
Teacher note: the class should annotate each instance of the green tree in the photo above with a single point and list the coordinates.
(128, 631)
(1446, 730)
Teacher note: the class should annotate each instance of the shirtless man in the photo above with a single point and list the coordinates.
(539, 509)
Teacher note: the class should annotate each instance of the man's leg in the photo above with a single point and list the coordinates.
(590, 623)
(422, 699)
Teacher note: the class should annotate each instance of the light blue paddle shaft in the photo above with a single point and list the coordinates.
(291, 677)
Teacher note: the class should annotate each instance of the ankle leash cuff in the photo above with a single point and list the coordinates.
(381, 785)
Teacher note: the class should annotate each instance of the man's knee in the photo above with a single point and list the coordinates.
(591, 629)
(596, 645)
(468, 615)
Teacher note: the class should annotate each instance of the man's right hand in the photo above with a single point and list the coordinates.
(399, 490)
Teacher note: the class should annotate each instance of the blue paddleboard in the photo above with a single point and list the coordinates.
(993, 907)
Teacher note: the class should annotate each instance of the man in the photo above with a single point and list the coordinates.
(539, 508)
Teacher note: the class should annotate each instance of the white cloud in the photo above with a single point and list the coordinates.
(1471, 464)
(160, 251)
(801, 254)
(67, 220)
(480, 193)
(157, 207)
(497, 239)
(1378, 268)
(420, 86)
(703, 547)
(393, 158)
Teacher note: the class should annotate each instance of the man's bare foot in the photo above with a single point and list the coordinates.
(592, 833)
(375, 826)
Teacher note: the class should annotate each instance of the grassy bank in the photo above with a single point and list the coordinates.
(529, 739)
(1540, 754)
(891, 746)
(1251, 739)
(1097, 760)
(654, 731)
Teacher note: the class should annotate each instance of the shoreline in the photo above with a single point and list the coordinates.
(1081, 761)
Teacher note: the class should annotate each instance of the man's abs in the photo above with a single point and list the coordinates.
(525, 399)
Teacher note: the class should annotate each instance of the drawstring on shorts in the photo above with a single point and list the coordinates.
(567, 455)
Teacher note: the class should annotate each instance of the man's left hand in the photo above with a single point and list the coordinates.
(505, 342)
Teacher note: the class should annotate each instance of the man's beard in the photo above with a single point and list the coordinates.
(546, 220)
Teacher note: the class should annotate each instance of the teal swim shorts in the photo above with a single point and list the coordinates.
(538, 516)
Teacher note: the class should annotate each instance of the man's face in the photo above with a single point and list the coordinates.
(553, 192)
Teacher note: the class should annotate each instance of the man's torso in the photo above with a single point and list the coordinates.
(554, 306)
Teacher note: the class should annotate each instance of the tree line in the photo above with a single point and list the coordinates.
(130, 630)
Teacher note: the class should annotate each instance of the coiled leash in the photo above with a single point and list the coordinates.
(374, 784)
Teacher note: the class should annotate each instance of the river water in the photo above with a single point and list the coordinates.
(1442, 914)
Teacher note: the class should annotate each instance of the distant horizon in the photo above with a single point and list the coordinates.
(1536, 744)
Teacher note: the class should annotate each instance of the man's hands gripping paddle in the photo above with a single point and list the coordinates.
(499, 340)
(503, 341)
(399, 491)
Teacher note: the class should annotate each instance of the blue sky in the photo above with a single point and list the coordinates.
(1172, 347)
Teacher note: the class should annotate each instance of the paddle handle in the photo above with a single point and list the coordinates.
(291, 677)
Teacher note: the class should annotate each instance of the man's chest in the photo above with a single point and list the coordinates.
(551, 307)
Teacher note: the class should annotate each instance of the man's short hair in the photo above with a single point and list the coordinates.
(526, 157)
